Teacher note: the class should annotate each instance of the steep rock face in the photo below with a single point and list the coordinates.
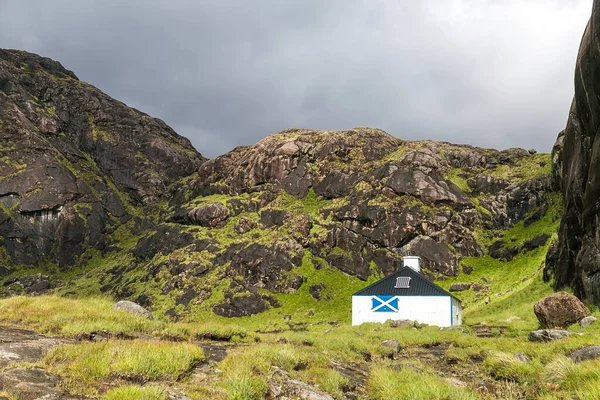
(74, 162)
(575, 260)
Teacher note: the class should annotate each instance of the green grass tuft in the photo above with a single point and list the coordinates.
(136, 392)
(332, 382)
(501, 365)
(388, 384)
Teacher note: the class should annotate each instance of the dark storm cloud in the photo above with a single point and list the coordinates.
(229, 72)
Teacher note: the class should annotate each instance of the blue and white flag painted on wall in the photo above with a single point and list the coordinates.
(384, 304)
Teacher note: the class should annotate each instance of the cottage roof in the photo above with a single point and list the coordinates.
(392, 286)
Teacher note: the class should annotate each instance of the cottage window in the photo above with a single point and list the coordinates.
(402, 282)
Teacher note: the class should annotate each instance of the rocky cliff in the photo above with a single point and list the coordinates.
(75, 164)
(102, 198)
(575, 259)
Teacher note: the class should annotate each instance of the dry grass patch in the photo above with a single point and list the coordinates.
(501, 365)
(386, 383)
(84, 366)
(69, 317)
(135, 392)
(56, 315)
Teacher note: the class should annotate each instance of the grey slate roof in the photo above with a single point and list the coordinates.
(419, 286)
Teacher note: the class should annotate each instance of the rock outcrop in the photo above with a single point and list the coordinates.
(19, 346)
(575, 260)
(587, 321)
(460, 287)
(382, 197)
(550, 335)
(586, 353)
(133, 308)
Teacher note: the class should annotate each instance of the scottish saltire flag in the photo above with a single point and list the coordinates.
(384, 304)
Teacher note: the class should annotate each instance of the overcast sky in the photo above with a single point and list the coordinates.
(496, 73)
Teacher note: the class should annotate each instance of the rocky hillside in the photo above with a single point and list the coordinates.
(278, 222)
(109, 200)
(574, 260)
(374, 197)
(75, 164)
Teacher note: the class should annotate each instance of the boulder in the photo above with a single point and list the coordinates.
(393, 344)
(431, 188)
(559, 310)
(460, 287)
(586, 353)
(587, 321)
(401, 322)
(315, 290)
(211, 216)
(244, 305)
(32, 383)
(549, 335)
(499, 251)
(133, 308)
(536, 242)
(244, 225)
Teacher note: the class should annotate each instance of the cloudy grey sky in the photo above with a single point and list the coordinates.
(495, 73)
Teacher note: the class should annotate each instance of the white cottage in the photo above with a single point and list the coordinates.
(406, 294)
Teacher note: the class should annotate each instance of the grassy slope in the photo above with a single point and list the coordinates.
(87, 368)
(514, 286)
(248, 368)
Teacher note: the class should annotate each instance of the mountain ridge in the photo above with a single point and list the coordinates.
(143, 216)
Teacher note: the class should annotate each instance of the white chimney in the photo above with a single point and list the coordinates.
(413, 262)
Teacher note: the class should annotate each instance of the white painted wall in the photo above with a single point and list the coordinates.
(431, 310)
